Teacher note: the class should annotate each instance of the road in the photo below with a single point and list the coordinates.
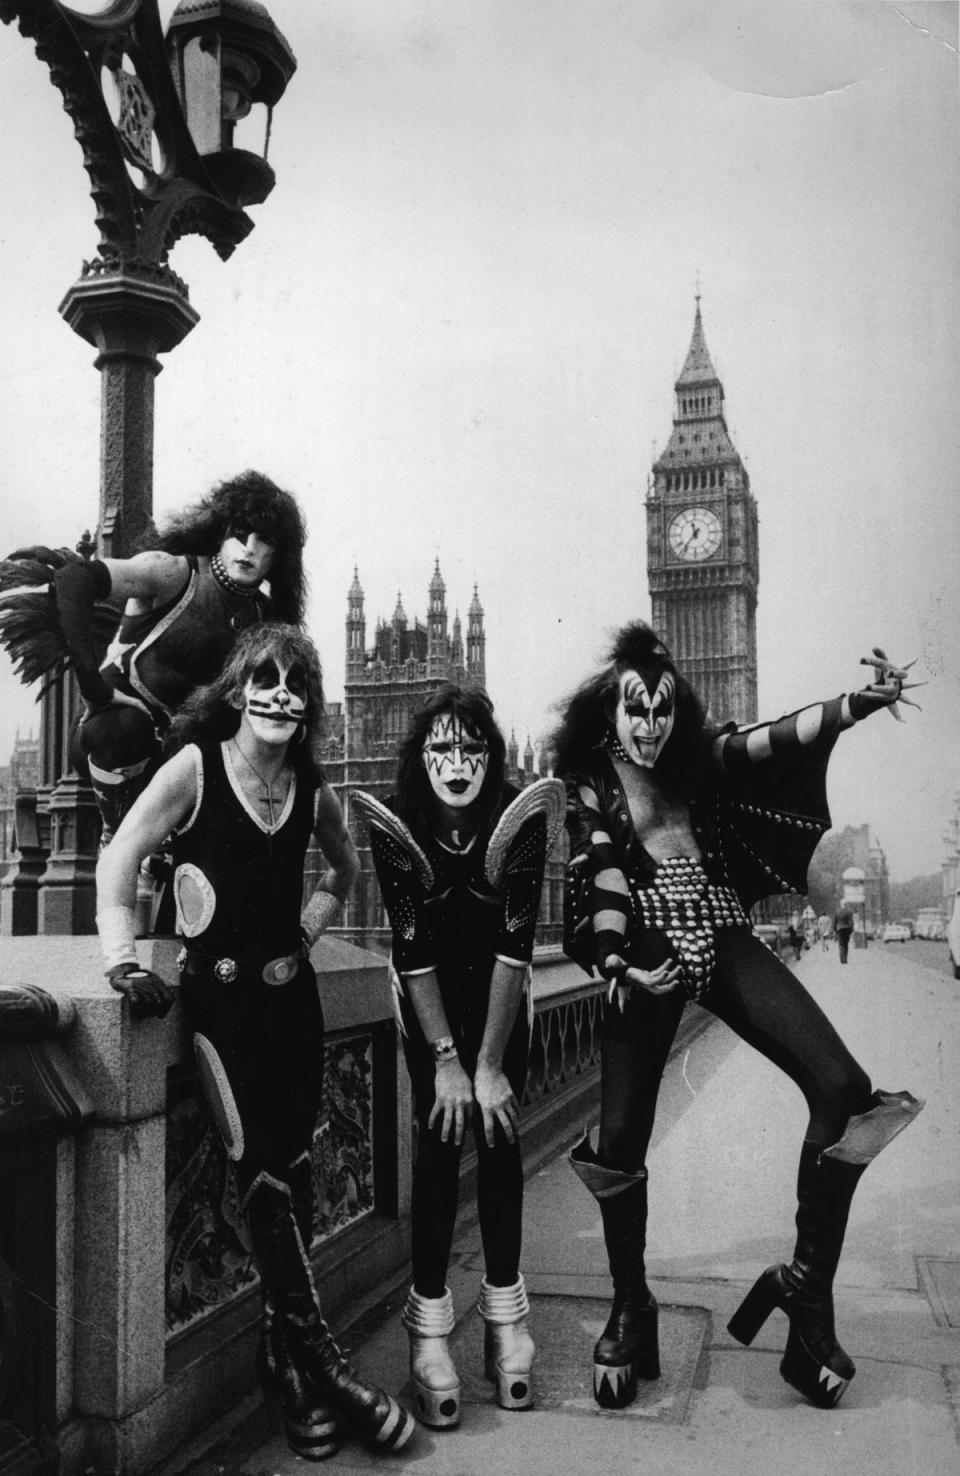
(931, 955)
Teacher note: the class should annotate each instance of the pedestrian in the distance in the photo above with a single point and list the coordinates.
(843, 927)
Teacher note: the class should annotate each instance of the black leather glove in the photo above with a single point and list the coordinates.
(147, 994)
(78, 586)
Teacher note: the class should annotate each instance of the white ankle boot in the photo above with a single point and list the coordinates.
(507, 1345)
(436, 1384)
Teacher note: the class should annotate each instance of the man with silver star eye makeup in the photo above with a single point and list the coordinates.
(142, 633)
(241, 796)
(460, 855)
(677, 828)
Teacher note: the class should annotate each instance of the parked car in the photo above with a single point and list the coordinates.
(896, 933)
(953, 936)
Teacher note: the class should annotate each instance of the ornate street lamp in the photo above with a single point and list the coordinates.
(155, 117)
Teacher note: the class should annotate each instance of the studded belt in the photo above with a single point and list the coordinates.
(688, 909)
(228, 970)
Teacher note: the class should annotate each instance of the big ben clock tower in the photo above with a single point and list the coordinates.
(702, 553)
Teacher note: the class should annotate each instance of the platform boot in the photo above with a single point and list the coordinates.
(813, 1362)
(309, 1419)
(508, 1348)
(433, 1374)
(309, 1416)
(285, 1271)
(627, 1349)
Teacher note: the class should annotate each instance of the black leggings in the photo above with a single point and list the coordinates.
(766, 1005)
(436, 1170)
(269, 1042)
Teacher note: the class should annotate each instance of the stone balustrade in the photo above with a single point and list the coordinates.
(124, 1229)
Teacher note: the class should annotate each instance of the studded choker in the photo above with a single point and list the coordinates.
(232, 586)
(617, 748)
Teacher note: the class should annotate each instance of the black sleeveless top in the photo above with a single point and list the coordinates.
(162, 655)
(238, 884)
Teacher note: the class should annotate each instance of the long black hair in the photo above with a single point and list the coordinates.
(250, 501)
(588, 716)
(472, 708)
(211, 714)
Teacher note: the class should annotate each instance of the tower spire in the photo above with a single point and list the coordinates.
(698, 366)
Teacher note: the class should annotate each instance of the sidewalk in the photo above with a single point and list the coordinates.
(721, 1189)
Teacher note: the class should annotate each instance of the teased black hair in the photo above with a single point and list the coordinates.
(249, 501)
(587, 716)
(416, 801)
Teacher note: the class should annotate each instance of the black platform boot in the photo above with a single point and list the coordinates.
(813, 1362)
(285, 1270)
(627, 1348)
(309, 1418)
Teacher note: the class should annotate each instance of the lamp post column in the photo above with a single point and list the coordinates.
(129, 317)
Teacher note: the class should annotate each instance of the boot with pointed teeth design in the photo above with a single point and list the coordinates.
(508, 1350)
(627, 1349)
(813, 1361)
(433, 1374)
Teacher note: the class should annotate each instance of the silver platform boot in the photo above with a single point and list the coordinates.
(433, 1373)
(508, 1348)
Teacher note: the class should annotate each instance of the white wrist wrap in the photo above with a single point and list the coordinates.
(116, 927)
(320, 913)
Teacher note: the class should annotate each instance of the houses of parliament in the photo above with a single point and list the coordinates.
(384, 686)
(702, 570)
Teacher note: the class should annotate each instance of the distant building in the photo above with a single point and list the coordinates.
(386, 683)
(856, 847)
(22, 772)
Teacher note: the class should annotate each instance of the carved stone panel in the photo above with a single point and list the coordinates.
(209, 1258)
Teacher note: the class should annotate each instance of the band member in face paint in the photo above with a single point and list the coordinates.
(460, 855)
(676, 830)
(231, 561)
(240, 797)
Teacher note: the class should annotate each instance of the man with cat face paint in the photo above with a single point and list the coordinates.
(676, 830)
(460, 855)
(240, 798)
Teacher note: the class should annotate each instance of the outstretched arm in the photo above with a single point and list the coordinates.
(166, 801)
(343, 867)
(820, 721)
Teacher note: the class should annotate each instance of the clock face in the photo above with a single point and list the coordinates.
(695, 534)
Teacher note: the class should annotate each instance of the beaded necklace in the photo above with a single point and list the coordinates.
(232, 586)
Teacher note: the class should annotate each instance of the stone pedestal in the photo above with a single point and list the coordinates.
(67, 895)
(19, 890)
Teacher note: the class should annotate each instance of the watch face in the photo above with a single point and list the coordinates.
(695, 534)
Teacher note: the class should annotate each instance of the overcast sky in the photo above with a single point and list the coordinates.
(457, 324)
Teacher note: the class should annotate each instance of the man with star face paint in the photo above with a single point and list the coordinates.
(231, 561)
(240, 798)
(676, 830)
(460, 855)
